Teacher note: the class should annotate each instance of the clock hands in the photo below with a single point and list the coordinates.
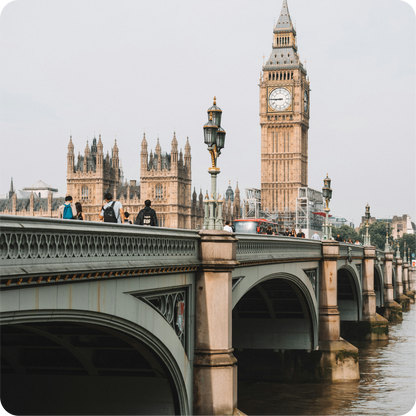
(275, 99)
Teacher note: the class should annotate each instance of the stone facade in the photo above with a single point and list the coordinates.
(284, 120)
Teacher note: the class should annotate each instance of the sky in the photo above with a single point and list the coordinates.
(128, 67)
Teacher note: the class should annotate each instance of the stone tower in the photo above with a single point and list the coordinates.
(166, 180)
(284, 120)
(92, 175)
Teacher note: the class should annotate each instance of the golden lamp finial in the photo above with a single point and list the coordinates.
(210, 114)
(215, 100)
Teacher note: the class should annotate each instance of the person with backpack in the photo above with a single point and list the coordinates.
(147, 216)
(112, 211)
(67, 211)
(126, 218)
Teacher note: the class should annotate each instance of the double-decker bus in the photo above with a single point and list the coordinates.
(254, 226)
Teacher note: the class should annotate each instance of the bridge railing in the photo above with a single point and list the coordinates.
(351, 250)
(260, 248)
(51, 246)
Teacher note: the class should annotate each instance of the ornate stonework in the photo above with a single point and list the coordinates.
(284, 120)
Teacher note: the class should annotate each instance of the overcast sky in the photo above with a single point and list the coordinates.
(121, 68)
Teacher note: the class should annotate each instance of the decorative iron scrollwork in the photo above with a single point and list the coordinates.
(172, 306)
(312, 275)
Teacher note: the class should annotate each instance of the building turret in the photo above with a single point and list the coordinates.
(115, 162)
(99, 158)
(86, 158)
(151, 160)
(70, 157)
(143, 154)
(187, 154)
(237, 203)
(11, 192)
(158, 154)
(174, 151)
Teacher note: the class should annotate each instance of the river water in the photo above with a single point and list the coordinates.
(386, 386)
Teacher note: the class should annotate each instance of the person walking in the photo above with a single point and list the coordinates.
(112, 211)
(338, 238)
(80, 215)
(147, 216)
(300, 234)
(269, 230)
(67, 211)
(126, 218)
(227, 227)
(286, 233)
(316, 236)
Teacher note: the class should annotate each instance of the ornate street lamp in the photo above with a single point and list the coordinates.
(404, 253)
(327, 193)
(214, 138)
(367, 241)
(397, 249)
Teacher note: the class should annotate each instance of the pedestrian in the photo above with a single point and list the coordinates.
(300, 234)
(67, 211)
(147, 216)
(286, 233)
(227, 227)
(350, 241)
(316, 236)
(357, 242)
(126, 218)
(293, 233)
(338, 238)
(80, 215)
(112, 211)
(269, 230)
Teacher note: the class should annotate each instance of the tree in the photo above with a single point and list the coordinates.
(410, 242)
(346, 232)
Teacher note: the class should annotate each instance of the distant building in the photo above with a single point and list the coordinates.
(399, 225)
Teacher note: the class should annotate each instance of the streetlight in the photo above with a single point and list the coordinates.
(367, 241)
(397, 249)
(404, 253)
(327, 193)
(214, 138)
(387, 245)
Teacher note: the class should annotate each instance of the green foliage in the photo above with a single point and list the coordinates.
(410, 242)
(346, 232)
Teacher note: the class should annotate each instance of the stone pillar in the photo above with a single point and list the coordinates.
(412, 278)
(338, 358)
(215, 370)
(391, 309)
(406, 288)
(401, 298)
(372, 326)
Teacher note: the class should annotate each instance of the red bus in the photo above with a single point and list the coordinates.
(254, 226)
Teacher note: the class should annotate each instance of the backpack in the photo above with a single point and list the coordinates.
(67, 215)
(109, 213)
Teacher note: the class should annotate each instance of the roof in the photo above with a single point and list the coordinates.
(38, 186)
(284, 21)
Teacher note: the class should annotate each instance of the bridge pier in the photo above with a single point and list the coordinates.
(406, 277)
(339, 358)
(215, 369)
(391, 309)
(372, 325)
(401, 298)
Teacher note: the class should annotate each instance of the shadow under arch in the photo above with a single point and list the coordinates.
(378, 287)
(83, 362)
(276, 312)
(349, 298)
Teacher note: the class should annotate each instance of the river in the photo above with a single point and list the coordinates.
(386, 386)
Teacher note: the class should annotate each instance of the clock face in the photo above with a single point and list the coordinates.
(280, 99)
(305, 102)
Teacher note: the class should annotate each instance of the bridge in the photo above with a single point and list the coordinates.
(111, 319)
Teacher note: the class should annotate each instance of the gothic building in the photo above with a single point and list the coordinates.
(284, 120)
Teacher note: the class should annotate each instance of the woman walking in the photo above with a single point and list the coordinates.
(80, 215)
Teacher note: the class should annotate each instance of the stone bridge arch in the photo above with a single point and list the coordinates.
(262, 318)
(349, 295)
(129, 323)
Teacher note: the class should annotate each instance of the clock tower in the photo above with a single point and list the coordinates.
(284, 120)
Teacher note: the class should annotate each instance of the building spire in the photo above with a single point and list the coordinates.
(284, 21)
(11, 192)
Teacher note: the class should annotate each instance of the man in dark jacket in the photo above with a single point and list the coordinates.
(147, 216)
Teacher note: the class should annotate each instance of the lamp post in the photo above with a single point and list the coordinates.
(397, 248)
(404, 253)
(367, 241)
(387, 245)
(327, 193)
(214, 138)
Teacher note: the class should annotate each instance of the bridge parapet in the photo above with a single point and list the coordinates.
(351, 251)
(256, 249)
(49, 247)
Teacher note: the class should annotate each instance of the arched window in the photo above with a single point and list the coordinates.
(84, 194)
(159, 192)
